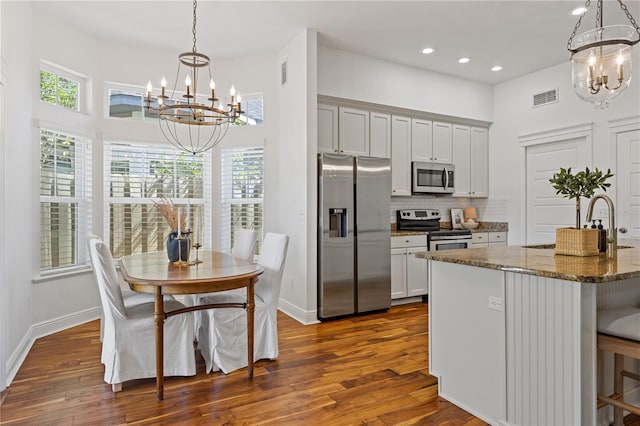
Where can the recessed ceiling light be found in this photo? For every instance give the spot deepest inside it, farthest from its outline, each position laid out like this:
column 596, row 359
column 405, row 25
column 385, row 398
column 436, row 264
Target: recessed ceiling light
column 578, row 11
column 427, row 50
column 496, row 68
column 463, row 60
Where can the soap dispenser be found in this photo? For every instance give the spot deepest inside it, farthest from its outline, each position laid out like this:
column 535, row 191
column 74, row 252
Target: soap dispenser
column 602, row 237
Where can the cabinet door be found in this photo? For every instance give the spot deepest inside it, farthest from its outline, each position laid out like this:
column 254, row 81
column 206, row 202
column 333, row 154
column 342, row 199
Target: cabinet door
column 400, row 155
column 379, row 135
column 421, row 140
column 327, row 128
column 442, row 143
column 462, row 160
column 398, row 273
column 416, row 272
column 479, row 166
column 353, row 131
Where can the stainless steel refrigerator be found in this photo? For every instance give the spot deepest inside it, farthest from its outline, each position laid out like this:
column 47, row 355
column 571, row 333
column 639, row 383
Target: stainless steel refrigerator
column 354, row 235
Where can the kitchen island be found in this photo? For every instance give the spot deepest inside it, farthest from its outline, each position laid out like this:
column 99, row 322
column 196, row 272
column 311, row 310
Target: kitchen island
column 512, row 330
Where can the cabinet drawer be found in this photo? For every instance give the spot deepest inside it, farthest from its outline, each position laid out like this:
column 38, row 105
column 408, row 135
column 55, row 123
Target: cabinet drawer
column 495, row 237
column 479, row 237
column 409, row 241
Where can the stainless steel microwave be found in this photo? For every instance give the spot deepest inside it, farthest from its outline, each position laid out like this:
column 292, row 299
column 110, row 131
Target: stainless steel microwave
column 432, row 178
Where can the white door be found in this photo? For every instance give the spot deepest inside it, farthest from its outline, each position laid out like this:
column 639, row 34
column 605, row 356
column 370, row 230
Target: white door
column 379, row 135
column 353, row 131
column 327, row 128
column 628, row 182
column 545, row 210
column 421, row 140
column 398, row 273
column 416, row 272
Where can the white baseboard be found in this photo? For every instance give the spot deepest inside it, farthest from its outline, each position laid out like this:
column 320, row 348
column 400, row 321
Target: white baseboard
column 300, row 315
column 18, row 356
column 55, row 325
column 42, row 329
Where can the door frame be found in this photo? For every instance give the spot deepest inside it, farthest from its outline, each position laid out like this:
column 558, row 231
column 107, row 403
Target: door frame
column 616, row 127
column 561, row 134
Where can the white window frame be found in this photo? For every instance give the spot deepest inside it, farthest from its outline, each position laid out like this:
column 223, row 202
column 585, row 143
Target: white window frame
column 82, row 80
column 83, row 199
column 187, row 202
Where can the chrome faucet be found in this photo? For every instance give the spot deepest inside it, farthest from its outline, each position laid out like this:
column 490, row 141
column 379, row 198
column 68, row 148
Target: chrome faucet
column 612, row 232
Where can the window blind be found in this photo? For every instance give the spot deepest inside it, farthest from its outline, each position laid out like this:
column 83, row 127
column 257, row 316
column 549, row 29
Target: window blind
column 242, row 193
column 136, row 178
column 65, row 200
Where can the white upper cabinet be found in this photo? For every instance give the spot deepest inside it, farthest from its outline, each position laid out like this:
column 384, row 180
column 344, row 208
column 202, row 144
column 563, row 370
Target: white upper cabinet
column 462, row 160
column 470, row 156
column 327, row 128
column 479, row 162
column 379, row 135
column 353, row 131
column 421, row 140
column 400, row 155
column 442, row 143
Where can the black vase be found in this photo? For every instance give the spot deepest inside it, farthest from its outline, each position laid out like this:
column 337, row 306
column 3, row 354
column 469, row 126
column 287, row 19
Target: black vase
column 174, row 252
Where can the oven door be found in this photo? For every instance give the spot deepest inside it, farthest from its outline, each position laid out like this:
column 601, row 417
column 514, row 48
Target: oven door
column 450, row 244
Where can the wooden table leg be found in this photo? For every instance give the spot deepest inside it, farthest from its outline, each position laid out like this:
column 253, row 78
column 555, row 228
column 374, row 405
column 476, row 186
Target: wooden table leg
column 158, row 317
column 250, row 310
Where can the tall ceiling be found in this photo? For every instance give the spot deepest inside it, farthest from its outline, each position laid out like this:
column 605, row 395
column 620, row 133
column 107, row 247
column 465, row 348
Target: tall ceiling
column 521, row 36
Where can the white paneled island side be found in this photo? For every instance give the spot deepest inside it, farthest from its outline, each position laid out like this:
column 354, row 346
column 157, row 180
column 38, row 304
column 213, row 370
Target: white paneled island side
column 512, row 331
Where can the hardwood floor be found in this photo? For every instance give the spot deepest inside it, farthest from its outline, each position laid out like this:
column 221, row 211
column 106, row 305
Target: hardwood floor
column 367, row 370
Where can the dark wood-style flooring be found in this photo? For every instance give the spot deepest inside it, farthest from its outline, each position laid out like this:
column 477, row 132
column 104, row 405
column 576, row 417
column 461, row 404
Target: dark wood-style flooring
column 366, row 370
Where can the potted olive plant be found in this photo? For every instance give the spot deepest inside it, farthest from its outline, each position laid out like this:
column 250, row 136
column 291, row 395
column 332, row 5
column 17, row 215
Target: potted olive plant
column 581, row 184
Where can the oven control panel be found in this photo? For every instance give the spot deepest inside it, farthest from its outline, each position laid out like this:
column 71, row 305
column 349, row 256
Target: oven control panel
column 424, row 214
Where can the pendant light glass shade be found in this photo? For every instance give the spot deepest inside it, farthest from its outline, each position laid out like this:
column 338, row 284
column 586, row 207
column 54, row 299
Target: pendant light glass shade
column 601, row 63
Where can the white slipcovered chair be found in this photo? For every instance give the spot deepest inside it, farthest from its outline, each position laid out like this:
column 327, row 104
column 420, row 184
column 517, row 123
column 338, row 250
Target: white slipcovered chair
column 223, row 332
column 244, row 247
column 128, row 346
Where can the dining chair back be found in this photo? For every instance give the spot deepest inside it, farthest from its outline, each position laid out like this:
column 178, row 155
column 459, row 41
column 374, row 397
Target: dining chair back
column 272, row 257
column 223, row 332
column 128, row 345
column 244, row 245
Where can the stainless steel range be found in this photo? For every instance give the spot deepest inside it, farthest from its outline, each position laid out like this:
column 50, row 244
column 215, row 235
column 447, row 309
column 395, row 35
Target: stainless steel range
column 428, row 220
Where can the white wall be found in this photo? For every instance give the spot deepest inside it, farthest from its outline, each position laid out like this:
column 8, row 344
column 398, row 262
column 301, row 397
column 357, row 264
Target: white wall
column 514, row 116
column 296, row 175
column 18, row 169
column 351, row 76
column 3, row 178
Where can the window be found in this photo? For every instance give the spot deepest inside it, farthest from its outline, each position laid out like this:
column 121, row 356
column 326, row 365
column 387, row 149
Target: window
column 59, row 90
column 65, row 200
column 242, row 180
column 253, row 111
column 137, row 177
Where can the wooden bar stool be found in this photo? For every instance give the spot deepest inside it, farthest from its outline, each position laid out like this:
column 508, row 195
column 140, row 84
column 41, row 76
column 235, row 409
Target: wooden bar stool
column 619, row 333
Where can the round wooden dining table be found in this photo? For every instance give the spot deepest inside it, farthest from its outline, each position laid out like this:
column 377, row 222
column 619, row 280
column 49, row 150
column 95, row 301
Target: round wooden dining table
column 153, row 273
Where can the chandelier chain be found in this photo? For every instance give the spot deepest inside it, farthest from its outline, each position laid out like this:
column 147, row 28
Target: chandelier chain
column 599, row 14
column 629, row 16
column 575, row 29
column 195, row 4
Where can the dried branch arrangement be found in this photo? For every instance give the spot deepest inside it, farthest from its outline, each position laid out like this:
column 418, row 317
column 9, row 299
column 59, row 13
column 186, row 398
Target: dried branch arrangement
column 170, row 212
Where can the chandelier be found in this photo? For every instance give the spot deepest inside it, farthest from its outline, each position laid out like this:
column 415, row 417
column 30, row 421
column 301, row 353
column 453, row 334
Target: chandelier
column 189, row 122
column 601, row 58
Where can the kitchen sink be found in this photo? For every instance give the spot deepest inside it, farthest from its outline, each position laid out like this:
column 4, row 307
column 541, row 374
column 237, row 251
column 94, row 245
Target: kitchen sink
column 551, row 246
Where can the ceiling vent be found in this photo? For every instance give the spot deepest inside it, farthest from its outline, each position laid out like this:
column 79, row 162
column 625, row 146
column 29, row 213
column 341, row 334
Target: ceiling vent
column 545, row 98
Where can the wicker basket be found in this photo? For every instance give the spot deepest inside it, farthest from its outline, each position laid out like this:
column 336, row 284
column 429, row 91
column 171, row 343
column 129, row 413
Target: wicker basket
column 577, row 242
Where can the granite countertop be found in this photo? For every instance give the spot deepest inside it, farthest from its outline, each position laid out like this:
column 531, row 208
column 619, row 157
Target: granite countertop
column 482, row 227
column 543, row 262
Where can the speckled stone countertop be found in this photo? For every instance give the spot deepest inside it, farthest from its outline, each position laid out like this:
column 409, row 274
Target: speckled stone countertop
column 543, row 262
column 482, row 227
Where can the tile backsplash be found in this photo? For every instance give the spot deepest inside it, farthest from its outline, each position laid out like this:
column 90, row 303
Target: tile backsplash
column 489, row 209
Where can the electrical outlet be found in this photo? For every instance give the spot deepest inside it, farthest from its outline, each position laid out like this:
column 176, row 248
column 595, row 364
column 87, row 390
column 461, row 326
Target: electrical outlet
column 495, row 303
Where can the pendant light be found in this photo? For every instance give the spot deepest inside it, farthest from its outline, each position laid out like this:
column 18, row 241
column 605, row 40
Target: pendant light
column 601, row 58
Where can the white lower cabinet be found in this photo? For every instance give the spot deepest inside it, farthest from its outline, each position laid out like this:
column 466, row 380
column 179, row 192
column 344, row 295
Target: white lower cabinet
column 408, row 273
column 488, row 239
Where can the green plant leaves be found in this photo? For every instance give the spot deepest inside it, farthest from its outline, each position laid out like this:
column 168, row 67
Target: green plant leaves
column 582, row 184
